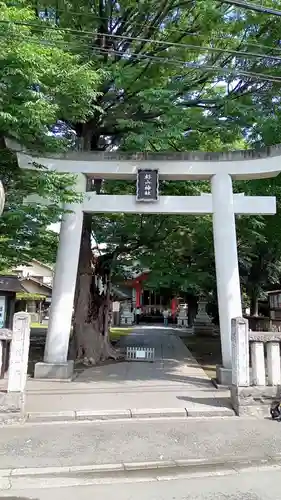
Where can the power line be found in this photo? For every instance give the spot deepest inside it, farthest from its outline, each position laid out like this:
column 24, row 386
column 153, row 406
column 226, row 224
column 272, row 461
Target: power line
column 175, row 62
column 252, row 6
column 124, row 38
column 154, row 28
column 203, row 68
column 236, row 3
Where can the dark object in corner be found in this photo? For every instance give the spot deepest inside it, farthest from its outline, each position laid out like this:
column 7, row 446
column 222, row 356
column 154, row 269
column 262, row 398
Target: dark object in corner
column 275, row 410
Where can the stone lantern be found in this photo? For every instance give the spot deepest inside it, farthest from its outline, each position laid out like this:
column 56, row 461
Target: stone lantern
column 203, row 324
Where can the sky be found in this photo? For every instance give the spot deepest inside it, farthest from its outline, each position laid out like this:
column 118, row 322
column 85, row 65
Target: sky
column 55, row 227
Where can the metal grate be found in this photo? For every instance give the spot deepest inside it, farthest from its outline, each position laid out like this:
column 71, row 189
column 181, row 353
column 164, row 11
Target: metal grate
column 140, row 354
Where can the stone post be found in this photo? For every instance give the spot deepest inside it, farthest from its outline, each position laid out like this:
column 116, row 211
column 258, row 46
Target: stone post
column 12, row 401
column 273, row 363
column 18, row 363
column 240, row 364
column 6, row 336
column 258, row 364
column 115, row 313
column 240, row 352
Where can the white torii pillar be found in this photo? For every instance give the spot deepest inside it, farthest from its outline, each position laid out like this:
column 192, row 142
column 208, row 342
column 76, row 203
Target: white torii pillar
column 56, row 364
column 227, row 270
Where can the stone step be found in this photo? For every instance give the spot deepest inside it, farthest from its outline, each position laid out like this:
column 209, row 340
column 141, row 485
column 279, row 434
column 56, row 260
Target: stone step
column 107, row 415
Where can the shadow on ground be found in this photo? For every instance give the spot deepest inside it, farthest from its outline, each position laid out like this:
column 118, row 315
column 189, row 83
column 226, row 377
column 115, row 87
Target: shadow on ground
column 220, row 402
column 18, row 498
column 174, row 372
column 143, row 372
column 173, row 365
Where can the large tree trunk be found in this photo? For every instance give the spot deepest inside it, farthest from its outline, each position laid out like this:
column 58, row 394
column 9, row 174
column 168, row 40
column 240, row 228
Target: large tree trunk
column 91, row 343
column 92, row 305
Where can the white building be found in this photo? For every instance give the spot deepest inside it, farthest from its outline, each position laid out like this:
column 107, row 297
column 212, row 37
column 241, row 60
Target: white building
column 37, row 280
column 41, row 273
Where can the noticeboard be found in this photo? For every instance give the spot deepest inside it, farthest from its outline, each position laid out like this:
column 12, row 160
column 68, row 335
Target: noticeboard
column 2, row 311
column 147, row 185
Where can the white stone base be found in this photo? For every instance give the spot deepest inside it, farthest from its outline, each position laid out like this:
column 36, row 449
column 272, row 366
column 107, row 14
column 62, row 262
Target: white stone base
column 11, row 402
column 224, row 376
column 182, row 322
column 253, row 401
column 54, row 370
column 126, row 321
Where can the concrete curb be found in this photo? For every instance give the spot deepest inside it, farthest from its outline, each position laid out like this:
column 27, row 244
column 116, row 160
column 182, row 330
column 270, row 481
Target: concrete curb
column 24, row 478
column 98, row 415
column 102, row 415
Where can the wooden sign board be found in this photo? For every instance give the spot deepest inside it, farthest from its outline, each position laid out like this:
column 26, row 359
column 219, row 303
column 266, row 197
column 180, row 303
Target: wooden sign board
column 147, row 185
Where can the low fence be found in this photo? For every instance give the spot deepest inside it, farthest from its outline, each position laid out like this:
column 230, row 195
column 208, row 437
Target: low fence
column 256, row 369
column 14, row 349
column 263, row 324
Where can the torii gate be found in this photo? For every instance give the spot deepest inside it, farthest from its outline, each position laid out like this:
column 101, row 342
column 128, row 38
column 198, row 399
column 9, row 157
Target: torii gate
column 219, row 168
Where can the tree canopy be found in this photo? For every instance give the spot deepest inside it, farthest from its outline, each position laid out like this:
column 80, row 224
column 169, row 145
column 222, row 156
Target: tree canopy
column 140, row 76
column 40, row 84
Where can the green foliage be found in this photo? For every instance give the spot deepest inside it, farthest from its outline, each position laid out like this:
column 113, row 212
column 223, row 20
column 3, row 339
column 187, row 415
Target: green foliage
column 29, row 296
column 139, row 76
column 40, row 84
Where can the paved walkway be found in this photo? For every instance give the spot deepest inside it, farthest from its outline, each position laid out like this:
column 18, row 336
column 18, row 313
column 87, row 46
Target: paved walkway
column 255, row 484
column 173, row 385
column 258, row 483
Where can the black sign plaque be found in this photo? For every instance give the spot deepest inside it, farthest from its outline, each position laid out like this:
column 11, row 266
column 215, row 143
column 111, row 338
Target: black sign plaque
column 147, row 185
